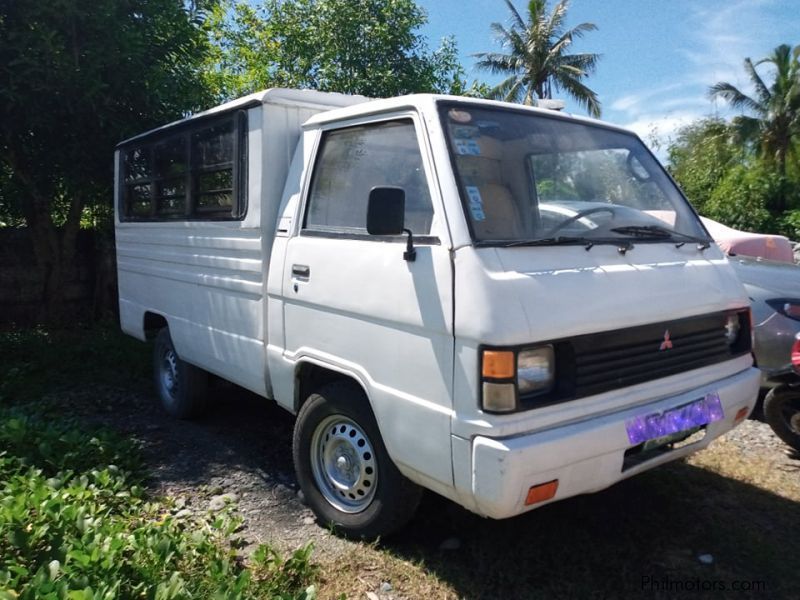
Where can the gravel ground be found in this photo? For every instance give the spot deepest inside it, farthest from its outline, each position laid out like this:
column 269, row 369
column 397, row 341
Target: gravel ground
column 756, row 438
column 240, row 453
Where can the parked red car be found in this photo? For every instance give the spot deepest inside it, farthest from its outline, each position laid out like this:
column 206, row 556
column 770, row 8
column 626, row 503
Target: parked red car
column 759, row 245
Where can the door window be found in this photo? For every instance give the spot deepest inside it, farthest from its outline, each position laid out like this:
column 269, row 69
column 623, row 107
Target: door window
column 352, row 161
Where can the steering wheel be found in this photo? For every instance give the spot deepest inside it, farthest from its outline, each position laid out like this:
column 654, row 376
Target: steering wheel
column 579, row 215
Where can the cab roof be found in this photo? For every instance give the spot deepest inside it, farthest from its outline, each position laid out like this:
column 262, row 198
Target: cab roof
column 423, row 101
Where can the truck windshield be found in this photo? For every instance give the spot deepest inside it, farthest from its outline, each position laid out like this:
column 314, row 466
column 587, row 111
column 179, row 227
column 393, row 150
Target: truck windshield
column 533, row 179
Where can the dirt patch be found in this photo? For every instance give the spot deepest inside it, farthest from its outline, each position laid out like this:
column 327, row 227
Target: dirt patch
column 238, row 454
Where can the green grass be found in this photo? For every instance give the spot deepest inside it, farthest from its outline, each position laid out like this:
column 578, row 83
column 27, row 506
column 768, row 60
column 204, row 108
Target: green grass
column 75, row 521
column 38, row 362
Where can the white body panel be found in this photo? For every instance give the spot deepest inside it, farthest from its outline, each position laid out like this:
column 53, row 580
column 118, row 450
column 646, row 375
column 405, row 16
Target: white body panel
column 410, row 332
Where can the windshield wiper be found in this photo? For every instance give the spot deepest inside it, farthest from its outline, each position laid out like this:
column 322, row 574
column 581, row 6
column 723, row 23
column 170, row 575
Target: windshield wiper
column 658, row 232
column 588, row 243
column 550, row 241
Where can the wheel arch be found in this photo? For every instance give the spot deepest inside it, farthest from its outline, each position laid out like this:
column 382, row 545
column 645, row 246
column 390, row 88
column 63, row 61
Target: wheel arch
column 152, row 323
column 310, row 375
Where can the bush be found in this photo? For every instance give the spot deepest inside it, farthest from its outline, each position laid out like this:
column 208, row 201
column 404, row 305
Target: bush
column 701, row 156
column 790, row 224
column 743, row 197
column 75, row 524
column 35, row 362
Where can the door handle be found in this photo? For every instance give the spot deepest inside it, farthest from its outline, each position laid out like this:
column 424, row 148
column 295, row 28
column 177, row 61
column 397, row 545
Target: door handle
column 301, row 271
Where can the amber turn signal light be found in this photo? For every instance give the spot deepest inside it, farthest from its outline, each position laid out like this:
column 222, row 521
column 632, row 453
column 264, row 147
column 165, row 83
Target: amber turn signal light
column 498, row 364
column 741, row 414
column 541, row 492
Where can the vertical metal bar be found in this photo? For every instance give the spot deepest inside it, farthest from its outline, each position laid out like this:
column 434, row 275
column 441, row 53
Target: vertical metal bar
column 190, row 184
column 153, row 182
column 235, row 201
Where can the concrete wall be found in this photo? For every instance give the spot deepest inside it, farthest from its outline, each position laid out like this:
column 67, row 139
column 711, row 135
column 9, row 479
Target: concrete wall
column 22, row 286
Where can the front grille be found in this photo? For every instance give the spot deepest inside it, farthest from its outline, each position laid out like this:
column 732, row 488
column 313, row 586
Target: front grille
column 617, row 359
column 610, row 360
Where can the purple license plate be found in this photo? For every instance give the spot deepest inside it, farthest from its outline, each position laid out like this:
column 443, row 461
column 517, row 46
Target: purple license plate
column 682, row 418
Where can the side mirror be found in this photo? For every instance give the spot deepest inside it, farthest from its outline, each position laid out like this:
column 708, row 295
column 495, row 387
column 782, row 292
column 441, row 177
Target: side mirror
column 386, row 215
column 386, row 211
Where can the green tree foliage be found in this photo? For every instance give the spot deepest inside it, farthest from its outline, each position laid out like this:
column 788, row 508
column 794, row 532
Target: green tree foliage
column 729, row 182
column 370, row 47
column 700, row 157
column 75, row 79
column 536, row 57
column 743, row 198
column 745, row 172
column 790, row 224
column 774, row 123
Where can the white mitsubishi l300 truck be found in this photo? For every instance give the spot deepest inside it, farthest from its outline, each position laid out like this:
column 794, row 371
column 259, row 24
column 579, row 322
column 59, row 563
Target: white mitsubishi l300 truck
column 503, row 304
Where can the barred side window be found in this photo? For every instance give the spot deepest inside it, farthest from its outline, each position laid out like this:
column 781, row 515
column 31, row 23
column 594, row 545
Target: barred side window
column 198, row 172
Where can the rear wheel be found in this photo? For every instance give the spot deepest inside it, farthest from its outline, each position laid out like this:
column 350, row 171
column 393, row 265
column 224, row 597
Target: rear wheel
column 782, row 413
column 343, row 468
column 181, row 387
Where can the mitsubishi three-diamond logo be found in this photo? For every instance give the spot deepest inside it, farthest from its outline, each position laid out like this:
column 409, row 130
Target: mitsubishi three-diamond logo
column 667, row 343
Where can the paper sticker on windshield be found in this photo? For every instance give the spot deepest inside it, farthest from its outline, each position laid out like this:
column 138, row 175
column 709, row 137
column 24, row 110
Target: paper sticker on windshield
column 459, row 116
column 475, row 203
column 467, row 147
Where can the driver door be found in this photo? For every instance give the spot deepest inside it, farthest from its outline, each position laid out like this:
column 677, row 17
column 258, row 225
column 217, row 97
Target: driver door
column 352, row 302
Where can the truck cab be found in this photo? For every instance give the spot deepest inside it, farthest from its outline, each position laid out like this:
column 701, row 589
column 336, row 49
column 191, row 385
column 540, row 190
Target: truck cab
column 506, row 305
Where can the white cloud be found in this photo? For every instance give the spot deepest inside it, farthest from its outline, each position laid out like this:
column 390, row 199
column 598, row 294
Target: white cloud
column 662, row 127
column 720, row 37
column 636, row 101
column 657, row 130
column 725, row 36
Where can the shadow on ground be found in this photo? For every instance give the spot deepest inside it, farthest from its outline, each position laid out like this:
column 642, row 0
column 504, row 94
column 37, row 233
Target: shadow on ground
column 641, row 538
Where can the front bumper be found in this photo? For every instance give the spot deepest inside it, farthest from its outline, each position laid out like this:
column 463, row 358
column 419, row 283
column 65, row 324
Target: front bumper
column 586, row 456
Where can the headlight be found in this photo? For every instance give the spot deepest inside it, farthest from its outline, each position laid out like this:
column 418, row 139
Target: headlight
column 535, row 370
column 788, row 308
column 508, row 374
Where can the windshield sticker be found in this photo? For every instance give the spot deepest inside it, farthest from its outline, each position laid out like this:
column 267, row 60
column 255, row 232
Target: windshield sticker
column 465, row 132
column 459, row 116
column 475, row 203
column 467, row 147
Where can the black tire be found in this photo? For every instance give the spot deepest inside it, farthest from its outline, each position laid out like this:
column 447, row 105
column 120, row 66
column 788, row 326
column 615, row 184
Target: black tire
column 182, row 388
column 782, row 413
column 341, row 407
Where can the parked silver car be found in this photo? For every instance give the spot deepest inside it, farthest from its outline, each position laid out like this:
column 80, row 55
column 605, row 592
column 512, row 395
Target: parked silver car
column 774, row 290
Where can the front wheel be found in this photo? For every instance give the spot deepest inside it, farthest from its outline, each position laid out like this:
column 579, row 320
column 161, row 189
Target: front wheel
column 782, row 413
column 343, row 468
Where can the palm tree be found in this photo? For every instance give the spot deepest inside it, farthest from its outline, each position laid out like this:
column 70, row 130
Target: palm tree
column 774, row 126
column 537, row 59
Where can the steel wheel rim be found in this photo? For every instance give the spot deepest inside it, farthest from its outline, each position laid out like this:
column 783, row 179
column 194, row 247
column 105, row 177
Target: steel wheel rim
column 791, row 416
column 343, row 463
column 169, row 373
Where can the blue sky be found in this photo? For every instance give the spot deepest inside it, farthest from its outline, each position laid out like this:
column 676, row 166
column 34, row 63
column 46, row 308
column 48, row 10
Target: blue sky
column 659, row 56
